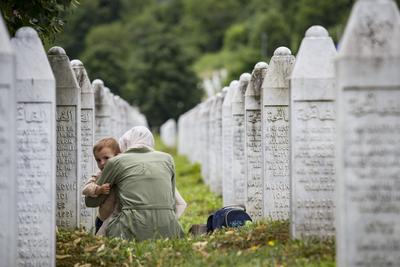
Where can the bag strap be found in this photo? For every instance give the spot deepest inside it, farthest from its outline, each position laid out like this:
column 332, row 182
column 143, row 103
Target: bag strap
column 243, row 207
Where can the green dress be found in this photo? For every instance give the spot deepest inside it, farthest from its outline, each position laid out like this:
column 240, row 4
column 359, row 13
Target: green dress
column 145, row 188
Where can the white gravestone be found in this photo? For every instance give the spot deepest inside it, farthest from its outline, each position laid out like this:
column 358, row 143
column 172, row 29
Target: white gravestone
column 168, row 133
column 368, row 170
column 212, row 144
column 238, row 145
column 118, row 116
column 189, row 134
column 204, row 145
column 181, row 134
column 227, row 143
column 113, row 113
column 102, row 111
column 275, row 134
column 68, row 119
column 217, row 182
column 87, row 215
column 8, row 183
column 197, row 134
column 253, row 152
column 36, row 151
column 313, row 136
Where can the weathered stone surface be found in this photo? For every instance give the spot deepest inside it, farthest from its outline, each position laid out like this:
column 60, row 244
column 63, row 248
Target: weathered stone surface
column 313, row 136
column 227, row 145
column 68, row 139
column 275, row 134
column 204, row 140
column 87, row 215
column 217, row 179
column 368, row 80
column 253, row 150
column 8, row 181
column 168, row 133
column 238, row 141
column 102, row 111
column 36, row 151
column 114, row 116
column 212, row 154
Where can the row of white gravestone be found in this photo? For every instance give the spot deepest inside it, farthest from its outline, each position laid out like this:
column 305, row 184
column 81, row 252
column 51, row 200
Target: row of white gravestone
column 168, row 133
column 48, row 125
column 317, row 140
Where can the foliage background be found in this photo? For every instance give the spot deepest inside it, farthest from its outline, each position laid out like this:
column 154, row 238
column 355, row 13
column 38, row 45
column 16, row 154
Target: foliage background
column 154, row 52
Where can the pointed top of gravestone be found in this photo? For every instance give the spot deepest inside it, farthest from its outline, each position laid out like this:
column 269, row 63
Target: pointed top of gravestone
column 233, row 84
column 261, row 65
column 244, row 77
column 282, row 51
column 56, row 50
column 238, row 96
column 26, row 32
column 316, row 31
column 373, row 30
column 224, row 91
column 65, row 77
column 257, row 77
column 31, row 59
column 5, row 45
column 229, row 94
column 82, row 77
column 276, row 82
column 315, row 58
column 98, row 83
column 76, row 63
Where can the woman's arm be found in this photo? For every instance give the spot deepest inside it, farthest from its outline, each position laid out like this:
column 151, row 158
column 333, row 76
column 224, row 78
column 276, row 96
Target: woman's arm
column 109, row 175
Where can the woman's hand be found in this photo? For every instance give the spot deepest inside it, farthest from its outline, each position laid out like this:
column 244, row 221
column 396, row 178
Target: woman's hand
column 104, row 189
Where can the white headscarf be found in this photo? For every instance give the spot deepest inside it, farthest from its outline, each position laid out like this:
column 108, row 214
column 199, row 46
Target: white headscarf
column 137, row 137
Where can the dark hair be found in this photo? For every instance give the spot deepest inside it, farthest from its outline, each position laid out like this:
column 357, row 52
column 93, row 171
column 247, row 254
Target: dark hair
column 106, row 142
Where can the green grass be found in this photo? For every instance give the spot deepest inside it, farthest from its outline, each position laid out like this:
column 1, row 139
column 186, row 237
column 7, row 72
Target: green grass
column 257, row 244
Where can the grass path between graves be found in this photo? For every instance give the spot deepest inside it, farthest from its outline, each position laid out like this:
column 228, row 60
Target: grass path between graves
column 257, row 244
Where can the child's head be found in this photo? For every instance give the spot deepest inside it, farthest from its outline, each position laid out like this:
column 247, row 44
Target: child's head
column 105, row 149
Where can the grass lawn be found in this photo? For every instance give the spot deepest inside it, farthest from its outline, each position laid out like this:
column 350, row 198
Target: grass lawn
column 258, row 244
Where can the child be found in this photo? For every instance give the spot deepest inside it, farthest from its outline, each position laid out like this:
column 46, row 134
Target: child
column 103, row 150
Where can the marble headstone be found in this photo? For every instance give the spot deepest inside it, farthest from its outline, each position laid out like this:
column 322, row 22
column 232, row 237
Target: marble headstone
column 212, row 156
column 275, row 134
column 8, row 183
column 368, row 170
column 36, row 151
column 217, row 179
column 253, row 152
column 87, row 138
column 238, row 146
column 113, row 113
column 168, row 133
column 227, row 145
column 102, row 111
column 68, row 119
column 313, row 136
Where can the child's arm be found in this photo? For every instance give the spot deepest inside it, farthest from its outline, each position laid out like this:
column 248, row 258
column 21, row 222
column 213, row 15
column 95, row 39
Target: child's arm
column 92, row 189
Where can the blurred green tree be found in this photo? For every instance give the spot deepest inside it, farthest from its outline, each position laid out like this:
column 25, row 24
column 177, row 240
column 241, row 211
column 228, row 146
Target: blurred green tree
column 106, row 54
column 160, row 81
column 46, row 17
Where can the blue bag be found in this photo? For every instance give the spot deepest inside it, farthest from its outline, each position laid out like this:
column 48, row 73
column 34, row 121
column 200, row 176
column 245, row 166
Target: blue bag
column 229, row 216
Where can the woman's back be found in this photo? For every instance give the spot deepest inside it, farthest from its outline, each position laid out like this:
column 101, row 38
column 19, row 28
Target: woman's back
column 145, row 182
